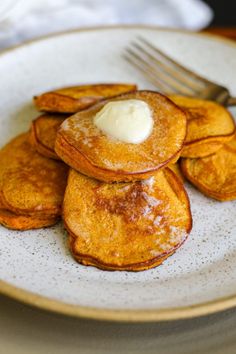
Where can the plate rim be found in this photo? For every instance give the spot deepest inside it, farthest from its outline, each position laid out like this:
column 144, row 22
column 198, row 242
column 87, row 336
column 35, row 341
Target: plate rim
column 127, row 315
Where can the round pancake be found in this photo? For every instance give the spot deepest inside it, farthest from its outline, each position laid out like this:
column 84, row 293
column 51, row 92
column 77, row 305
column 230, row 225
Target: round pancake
column 30, row 184
column 73, row 99
column 214, row 175
column 88, row 150
column 209, row 126
column 126, row 226
column 43, row 133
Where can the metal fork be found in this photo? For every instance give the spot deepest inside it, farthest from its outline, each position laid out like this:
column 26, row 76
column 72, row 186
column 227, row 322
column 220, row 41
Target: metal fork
column 171, row 77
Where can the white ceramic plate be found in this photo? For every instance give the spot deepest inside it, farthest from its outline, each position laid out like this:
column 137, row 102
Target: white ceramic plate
column 36, row 266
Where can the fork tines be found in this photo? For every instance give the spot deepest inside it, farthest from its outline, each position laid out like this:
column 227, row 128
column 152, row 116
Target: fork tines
column 164, row 72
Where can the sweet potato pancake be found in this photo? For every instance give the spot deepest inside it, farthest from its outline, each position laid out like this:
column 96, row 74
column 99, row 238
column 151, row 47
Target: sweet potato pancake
column 126, row 226
column 214, row 175
column 73, row 99
column 88, row 150
column 43, row 133
column 31, row 186
column 209, row 126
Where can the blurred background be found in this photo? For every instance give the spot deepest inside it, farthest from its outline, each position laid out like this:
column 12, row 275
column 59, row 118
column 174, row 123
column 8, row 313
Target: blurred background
column 224, row 12
column 21, row 20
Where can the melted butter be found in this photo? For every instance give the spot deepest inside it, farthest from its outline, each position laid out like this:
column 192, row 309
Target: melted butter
column 129, row 121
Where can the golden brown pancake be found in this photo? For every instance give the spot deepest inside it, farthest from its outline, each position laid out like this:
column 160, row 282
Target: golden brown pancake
column 214, row 175
column 31, row 185
column 73, row 99
column 88, row 150
column 126, row 226
column 176, row 169
column 23, row 222
column 209, row 126
column 43, row 133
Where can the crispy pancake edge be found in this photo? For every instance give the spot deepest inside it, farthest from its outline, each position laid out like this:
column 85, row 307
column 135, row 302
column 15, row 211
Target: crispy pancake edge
column 13, row 221
column 71, row 156
column 54, row 101
column 55, row 212
column 39, row 146
column 206, row 146
column 89, row 261
column 222, row 197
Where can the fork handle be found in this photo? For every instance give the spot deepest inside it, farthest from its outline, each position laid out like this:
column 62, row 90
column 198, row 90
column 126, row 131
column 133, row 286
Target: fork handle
column 231, row 101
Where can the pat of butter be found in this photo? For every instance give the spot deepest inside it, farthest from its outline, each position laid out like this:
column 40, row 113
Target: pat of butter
column 128, row 120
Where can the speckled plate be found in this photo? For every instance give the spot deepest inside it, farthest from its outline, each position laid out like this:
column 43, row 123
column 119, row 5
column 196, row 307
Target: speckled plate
column 37, row 268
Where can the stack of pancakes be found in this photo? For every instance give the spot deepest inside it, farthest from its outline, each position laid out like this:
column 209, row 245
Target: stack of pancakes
column 124, row 205
column 209, row 154
column 31, row 186
column 32, row 177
